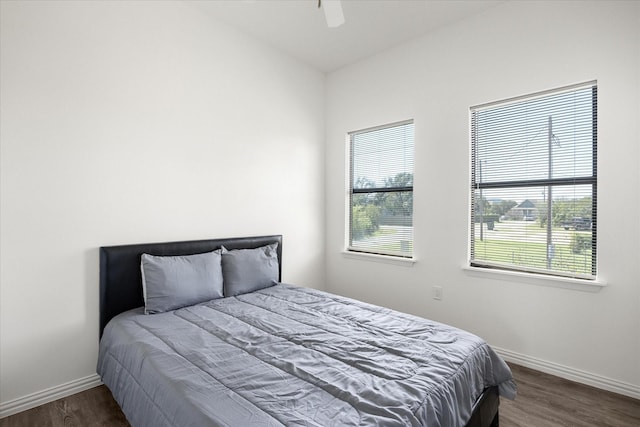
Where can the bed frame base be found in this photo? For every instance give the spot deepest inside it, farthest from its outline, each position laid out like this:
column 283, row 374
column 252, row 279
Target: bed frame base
column 485, row 411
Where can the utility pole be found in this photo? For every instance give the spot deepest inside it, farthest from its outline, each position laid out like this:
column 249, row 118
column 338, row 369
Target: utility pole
column 549, row 198
column 481, row 203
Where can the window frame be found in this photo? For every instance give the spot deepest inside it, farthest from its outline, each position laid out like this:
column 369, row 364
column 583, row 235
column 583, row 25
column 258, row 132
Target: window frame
column 551, row 183
column 351, row 250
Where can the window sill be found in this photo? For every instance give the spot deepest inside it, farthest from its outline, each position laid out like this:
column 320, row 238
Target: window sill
column 537, row 279
column 388, row 259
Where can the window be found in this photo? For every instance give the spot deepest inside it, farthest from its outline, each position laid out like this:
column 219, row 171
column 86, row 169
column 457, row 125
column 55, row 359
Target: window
column 381, row 190
column 534, row 183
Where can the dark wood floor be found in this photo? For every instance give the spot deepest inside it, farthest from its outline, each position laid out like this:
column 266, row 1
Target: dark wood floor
column 547, row 401
column 543, row 401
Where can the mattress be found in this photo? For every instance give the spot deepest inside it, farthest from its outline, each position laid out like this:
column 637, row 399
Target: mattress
column 294, row 356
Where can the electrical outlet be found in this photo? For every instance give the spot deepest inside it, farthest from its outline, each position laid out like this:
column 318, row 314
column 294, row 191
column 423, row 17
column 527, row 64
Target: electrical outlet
column 437, row 292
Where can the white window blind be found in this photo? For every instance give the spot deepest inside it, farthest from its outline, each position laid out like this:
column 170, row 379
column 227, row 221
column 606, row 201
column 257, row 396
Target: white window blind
column 381, row 190
column 534, row 183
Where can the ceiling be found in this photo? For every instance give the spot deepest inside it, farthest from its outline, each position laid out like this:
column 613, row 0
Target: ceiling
column 298, row 27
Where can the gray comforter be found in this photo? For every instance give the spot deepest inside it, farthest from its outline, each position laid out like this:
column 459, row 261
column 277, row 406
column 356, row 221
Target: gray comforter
column 296, row 357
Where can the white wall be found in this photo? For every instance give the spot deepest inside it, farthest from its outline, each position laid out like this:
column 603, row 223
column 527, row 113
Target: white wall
column 128, row 122
column 514, row 49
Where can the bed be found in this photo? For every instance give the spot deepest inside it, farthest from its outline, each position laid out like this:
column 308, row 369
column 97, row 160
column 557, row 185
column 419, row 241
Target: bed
column 271, row 354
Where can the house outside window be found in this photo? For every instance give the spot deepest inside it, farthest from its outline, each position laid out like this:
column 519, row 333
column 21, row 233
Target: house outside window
column 534, row 183
column 381, row 190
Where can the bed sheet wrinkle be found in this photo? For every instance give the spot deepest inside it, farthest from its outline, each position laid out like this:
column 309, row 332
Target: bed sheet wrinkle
column 352, row 351
column 501, row 377
column 188, row 387
column 408, row 385
column 264, row 349
column 415, row 351
column 377, row 321
column 316, row 370
column 136, row 400
column 379, row 318
column 125, row 383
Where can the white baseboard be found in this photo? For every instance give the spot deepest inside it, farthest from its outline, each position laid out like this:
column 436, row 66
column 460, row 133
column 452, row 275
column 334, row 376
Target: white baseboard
column 48, row 395
column 568, row 373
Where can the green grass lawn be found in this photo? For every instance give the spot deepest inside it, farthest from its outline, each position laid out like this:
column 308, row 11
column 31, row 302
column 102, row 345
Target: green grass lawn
column 532, row 254
column 388, row 239
column 519, row 244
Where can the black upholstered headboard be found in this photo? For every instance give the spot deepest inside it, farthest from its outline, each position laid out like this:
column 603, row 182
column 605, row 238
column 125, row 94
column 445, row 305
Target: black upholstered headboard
column 121, row 279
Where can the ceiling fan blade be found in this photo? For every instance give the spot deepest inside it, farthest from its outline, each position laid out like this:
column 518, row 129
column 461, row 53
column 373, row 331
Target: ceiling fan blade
column 333, row 13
